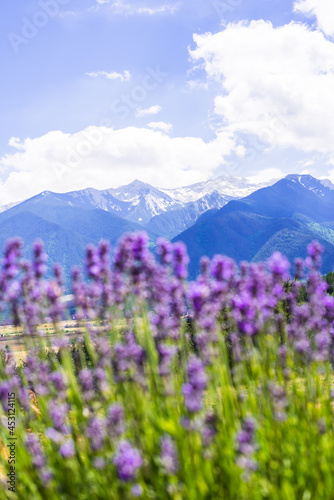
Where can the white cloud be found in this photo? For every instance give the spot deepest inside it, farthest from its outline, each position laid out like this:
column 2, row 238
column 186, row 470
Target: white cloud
column 153, row 110
column 120, row 7
column 323, row 10
column 197, row 84
column 113, row 75
column 277, row 83
column 266, row 175
column 102, row 157
column 330, row 176
column 163, row 126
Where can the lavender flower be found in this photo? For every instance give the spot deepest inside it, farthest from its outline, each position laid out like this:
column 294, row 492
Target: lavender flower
column 115, row 419
column 197, row 380
column 38, row 458
column 127, row 461
column 166, row 354
column 136, row 490
column 279, row 266
column 95, row 432
column 58, row 379
column 222, row 268
column 210, row 428
column 58, row 413
column 246, row 446
column 67, row 449
column 180, row 260
column 168, row 456
column 54, row 435
column 99, row 463
column 165, row 251
column 87, row 383
column 39, row 259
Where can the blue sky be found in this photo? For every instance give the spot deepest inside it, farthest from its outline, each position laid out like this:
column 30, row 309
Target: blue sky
column 98, row 92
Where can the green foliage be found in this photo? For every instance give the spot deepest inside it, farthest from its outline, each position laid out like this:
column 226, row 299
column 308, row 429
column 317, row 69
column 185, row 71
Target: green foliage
column 329, row 278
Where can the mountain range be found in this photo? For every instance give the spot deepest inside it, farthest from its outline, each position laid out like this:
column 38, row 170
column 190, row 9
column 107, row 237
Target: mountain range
column 227, row 215
column 283, row 217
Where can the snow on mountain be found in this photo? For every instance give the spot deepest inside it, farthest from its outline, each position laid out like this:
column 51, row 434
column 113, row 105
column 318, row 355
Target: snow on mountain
column 140, row 202
column 318, row 186
column 145, row 200
column 233, row 187
column 3, row 208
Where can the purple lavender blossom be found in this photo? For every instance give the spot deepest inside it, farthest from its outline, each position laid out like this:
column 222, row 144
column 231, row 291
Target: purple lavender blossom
column 92, row 262
column 136, row 490
column 246, row 446
column 39, row 259
column 67, row 449
column 129, row 358
column 315, row 251
column 168, row 456
column 210, row 428
column 10, row 262
column 280, row 402
column 279, row 266
column 180, row 260
column 58, row 274
column 222, row 268
column 38, row 458
column 205, row 266
column 58, row 413
column 99, row 463
column 166, row 354
column 96, row 432
column 4, row 390
column 199, row 294
column 115, row 419
column 299, row 268
column 54, row 435
column 58, row 380
column 197, row 381
column 127, row 461
column 165, row 251
column 87, row 383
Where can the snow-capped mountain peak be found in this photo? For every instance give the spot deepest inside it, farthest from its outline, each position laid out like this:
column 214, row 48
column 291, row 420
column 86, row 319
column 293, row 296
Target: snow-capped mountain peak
column 318, row 186
column 233, row 187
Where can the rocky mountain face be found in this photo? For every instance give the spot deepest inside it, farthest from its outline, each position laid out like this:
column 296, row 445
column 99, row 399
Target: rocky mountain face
column 161, row 211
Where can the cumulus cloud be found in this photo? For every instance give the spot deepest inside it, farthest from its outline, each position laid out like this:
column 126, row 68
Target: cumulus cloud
column 113, row 75
column 163, row 126
column 322, row 10
column 102, row 157
column 153, row 110
column 276, row 83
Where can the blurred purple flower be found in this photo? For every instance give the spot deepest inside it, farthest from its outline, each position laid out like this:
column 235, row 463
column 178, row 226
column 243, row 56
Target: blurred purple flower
column 168, row 455
column 127, row 461
column 197, row 381
column 67, row 450
column 115, row 419
column 96, row 432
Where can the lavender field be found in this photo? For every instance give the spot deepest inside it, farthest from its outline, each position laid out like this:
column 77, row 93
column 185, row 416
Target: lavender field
column 220, row 388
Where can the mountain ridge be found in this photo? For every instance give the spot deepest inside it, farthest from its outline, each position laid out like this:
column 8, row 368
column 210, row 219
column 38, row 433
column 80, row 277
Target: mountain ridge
column 242, row 228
